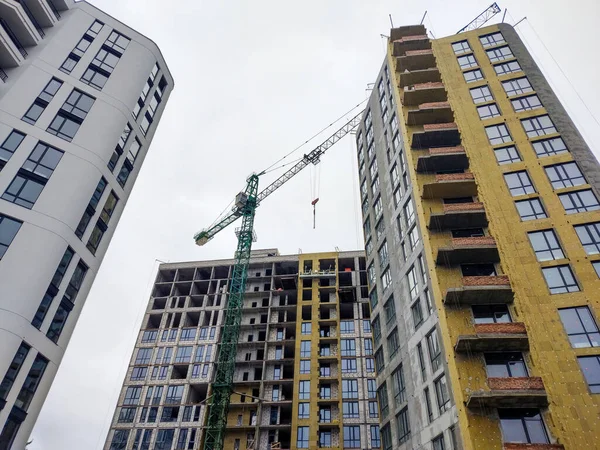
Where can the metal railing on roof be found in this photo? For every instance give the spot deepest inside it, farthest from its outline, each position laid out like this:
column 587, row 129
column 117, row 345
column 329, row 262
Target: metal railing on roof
column 31, row 17
column 13, row 37
column 3, row 75
column 54, row 9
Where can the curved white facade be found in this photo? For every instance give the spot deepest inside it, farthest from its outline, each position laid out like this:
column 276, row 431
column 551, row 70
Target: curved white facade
column 29, row 261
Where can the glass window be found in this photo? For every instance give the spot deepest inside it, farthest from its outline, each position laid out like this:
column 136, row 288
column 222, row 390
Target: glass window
column 351, row 436
column 413, row 283
column 590, row 366
column 305, row 366
column 393, row 343
column 504, row 365
column 481, row 94
column 379, row 360
column 13, row 370
column 545, row 245
column 435, row 352
column 350, row 410
column 507, row 67
column 491, row 314
column 349, row 389
column 119, row 440
column 302, row 437
column 409, row 212
column 349, row 365
column 375, row 436
column 373, row 410
column 438, row 443
column 304, row 390
column 306, row 327
column 8, row 230
column 473, row 75
column 498, row 134
column 386, row 437
column 382, row 395
column 117, row 42
column 589, row 236
column 526, row 103
column 564, row 175
column 40, row 103
column 303, row 410
column 490, row 40
column 500, row 54
column 10, row 145
column 560, row 279
column 467, row 61
column 488, row 111
column 519, row 183
column 517, row 86
column 580, row 326
column 522, row 426
column 442, row 395
column 531, row 209
column 376, row 330
column 305, row 349
column 549, row 147
column 31, row 382
column 538, row 126
column 399, row 385
column 507, row 155
column 428, row 406
column 390, row 311
column 417, row 314
column 579, row 201
column 461, row 47
column 403, row 425
column 95, row 77
column 348, row 347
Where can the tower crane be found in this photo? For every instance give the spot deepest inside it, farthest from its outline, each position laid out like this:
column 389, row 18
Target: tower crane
column 244, row 207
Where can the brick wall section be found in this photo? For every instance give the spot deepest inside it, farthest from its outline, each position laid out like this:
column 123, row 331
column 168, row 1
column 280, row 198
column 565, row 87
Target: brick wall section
column 418, row 37
column 429, row 85
column 501, row 280
column 434, row 105
column 533, row 447
column 473, row 241
column 516, row 383
column 419, row 52
column 456, row 207
column 443, row 150
column 454, row 177
column 439, row 126
column 505, row 328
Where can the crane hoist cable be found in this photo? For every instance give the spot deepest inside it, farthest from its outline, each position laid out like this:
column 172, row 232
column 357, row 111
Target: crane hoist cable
column 244, row 207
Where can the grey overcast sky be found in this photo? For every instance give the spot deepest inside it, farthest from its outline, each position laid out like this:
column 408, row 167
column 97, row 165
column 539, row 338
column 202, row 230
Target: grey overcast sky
column 254, row 79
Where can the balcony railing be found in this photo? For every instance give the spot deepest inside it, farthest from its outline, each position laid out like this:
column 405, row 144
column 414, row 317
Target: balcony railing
column 13, row 37
column 53, row 8
column 3, row 75
column 34, row 21
column 469, row 250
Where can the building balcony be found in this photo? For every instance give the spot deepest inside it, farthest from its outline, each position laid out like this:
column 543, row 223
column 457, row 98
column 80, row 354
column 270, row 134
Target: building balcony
column 416, row 77
column 436, row 135
column 517, row 392
column 319, row 274
column 40, row 12
column 423, row 93
column 415, row 60
column 469, row 250
column 12, row 52
column 430, row 113
column 517, row 446
column 451, row 185
column 409, row 43
column 325, row 400
column 481, row 291
column 19, row 18
column 494, row 337
column 60, row 5
column 445, row 158
column 407, row 30
column 459, row 215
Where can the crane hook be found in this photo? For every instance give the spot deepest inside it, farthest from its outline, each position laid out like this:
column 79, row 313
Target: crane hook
column 314, row 203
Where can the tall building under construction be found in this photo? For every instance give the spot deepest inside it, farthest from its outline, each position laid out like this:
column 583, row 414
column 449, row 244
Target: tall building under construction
column 305, row 373
column 468, row 323
column 482, row 236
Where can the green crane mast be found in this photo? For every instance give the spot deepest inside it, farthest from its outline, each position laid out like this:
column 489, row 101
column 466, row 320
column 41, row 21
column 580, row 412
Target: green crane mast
column 245, row 206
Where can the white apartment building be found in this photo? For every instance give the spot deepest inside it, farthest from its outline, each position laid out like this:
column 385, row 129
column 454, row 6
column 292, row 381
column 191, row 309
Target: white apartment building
column 81, row 95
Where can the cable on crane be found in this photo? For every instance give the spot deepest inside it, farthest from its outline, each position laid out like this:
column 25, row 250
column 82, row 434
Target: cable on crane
column 313, row 136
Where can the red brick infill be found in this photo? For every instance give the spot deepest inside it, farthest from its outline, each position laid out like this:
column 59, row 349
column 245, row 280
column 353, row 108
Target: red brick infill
column 418, row 37
column 439, row 126
column 428, row 85
column 473, row 241
column 434, row 105
column 454, row 177
column 453, row 207
column 442, row 150
column 505, row 328
column 534, row 447
column 516, row 383
column 501, row 280
column 419, row 52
